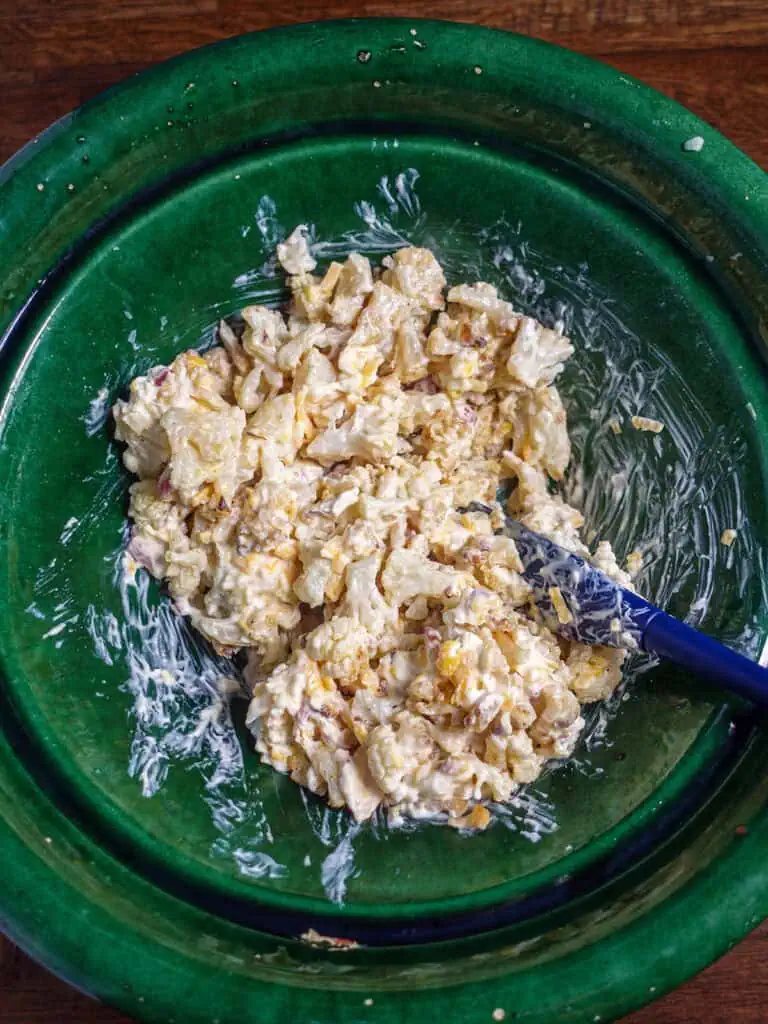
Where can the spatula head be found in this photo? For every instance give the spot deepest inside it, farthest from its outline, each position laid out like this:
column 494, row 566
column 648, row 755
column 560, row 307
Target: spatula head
column 575, row 599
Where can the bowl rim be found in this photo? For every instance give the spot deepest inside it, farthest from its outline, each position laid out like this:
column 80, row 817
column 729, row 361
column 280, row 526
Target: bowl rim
column 739, row 186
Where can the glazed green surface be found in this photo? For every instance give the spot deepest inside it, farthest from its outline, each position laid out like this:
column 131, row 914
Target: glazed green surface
column 601, row 182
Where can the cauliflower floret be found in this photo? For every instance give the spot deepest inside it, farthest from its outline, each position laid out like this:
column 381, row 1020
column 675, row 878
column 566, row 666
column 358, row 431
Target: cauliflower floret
column 534, row 657
column 485, row 299
column 185, row 566
column 411, row 361
column 249, row 602
column 205, row 449
column 408, row 574
column 545, row 513
column 354, row 285
column 538, row 354
column 358, row 787
column 540, row 435
column 595, row 671
column 397, row 752
column 276, row 422
column 294, row 254
column 384, row 311
column 264, row 333
column 154, row 513
column 188, row 383
column 371, row 433
column 416, row 274
column 470, row 779
column 311, row 586
column 316, row 378
column 605, row 560
column 285, row 689
column 343, row 646
column 477, row 607
column 364, row 601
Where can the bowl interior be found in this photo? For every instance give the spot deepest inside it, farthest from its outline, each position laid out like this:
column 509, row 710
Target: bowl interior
column 115, row 693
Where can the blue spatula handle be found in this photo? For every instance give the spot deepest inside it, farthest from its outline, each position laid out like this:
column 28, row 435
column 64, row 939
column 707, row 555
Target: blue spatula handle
column 662, row 634
column 603, row 612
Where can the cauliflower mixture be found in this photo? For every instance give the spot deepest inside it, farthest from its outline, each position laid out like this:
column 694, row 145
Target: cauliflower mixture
column 300, row 489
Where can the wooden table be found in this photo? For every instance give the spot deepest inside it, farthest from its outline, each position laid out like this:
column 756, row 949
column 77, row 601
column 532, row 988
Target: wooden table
column 711, row 55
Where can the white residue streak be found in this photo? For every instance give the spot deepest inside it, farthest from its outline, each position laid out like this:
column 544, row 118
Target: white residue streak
column 381, row 232
column 257, row 864
column 178, row 709
column 339, row 866
column 98, row 413
column 530, row 813
column 263, row 284
column 181, row 694
column 55, row 630
column 68, row 530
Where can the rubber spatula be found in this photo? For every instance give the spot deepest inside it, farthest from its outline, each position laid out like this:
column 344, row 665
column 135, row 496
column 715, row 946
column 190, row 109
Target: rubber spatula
column 579, row 602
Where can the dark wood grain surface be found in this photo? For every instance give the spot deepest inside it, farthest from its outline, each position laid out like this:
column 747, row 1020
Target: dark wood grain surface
column 711, row 55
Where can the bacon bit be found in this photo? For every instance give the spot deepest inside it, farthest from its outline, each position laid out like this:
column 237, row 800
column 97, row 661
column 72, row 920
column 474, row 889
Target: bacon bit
column 432, row 638
column 224, row 650
column 741, row 830
column 164, row 486
column 466, row 415
column 148, row 553
column 427, row 386
column 161, row 377
column 476, row 550
column 302, row 716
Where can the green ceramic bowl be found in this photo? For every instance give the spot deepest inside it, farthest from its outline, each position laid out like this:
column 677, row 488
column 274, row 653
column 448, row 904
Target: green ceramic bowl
column 148, row 857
